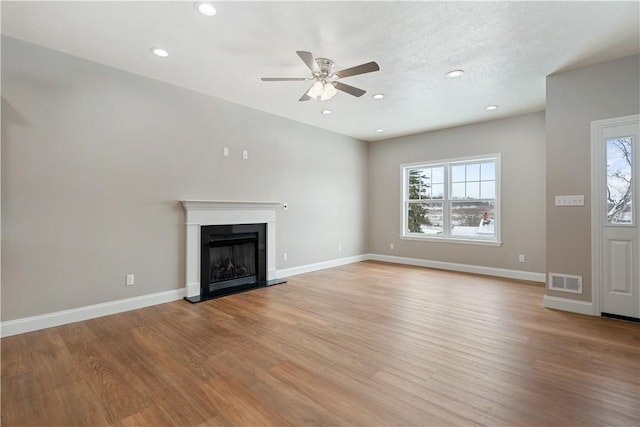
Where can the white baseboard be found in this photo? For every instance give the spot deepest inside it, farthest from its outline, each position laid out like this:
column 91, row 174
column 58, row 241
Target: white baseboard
column 565, row 304
column 34, row 323
column 320, row 266
column 29, row 324
column 466, row 268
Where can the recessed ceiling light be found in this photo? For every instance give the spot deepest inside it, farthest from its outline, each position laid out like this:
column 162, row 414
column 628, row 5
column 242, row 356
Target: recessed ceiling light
column 455, row 73
column 206, row 8
column 379, row 130
column 377, row 95
column 492, row 107
column 159, row 52
column 326, row 112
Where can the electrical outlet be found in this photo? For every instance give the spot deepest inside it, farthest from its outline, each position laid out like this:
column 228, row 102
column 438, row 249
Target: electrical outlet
column 225, row 151
column 284, row 256
column 245, row 154
column 131, row 279
column 391, row 246
column 339, row 248
column 521, row 258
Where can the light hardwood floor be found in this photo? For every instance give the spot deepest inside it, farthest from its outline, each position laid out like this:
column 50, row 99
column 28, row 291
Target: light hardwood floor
column 364, row 344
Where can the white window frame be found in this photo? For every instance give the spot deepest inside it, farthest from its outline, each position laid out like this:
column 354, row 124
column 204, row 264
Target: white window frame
column 445, row 237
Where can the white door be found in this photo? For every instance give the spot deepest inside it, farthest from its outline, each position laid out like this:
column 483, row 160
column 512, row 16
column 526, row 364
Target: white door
column 615, row 156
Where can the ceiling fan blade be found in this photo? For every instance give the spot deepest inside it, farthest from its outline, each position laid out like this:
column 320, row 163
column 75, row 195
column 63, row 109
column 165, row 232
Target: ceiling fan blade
column 284, row 79
column 351, row 90
column 307, row 57
column 358, row 69
column 305, row 97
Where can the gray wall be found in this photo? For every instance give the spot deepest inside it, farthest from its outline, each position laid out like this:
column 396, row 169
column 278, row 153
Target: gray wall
column 574, row 99
column 520, row 140
column 95, row 160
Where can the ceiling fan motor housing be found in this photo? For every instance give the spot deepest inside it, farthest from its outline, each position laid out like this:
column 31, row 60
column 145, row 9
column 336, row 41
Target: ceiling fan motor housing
column 325, row 66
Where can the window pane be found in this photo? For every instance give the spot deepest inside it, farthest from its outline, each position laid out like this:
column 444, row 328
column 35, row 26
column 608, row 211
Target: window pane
column 414, row 192
column 488, row 190
column 437, row 191
column 467, row 219
column 426, row 180
column 473, row 190
column 427, row 192
column 488, row 171
column 424, row 218
column 458, row 191
column 473, row 172
column 417, row 184
column 619, row 191
column 425, row 175
column 457, row 173
column 437, row 175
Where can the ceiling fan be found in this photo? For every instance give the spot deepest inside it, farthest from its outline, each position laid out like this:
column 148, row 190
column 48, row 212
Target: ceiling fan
column 326, row 82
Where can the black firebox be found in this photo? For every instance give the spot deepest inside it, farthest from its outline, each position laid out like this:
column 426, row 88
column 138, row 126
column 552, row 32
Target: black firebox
column 233, row 258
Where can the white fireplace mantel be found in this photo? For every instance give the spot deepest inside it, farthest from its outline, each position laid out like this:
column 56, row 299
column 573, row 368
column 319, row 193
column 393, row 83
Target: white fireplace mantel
column 224, row 212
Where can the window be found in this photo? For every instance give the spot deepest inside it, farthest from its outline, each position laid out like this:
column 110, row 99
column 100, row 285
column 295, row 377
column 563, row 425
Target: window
column 452, row 200
column 619, row 179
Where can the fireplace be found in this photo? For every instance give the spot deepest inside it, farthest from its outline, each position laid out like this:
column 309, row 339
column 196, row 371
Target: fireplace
column 232, row 258
column 230, row 247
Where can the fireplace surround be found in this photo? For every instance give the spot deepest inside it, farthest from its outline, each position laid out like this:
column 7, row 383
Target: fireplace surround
column 217, row 231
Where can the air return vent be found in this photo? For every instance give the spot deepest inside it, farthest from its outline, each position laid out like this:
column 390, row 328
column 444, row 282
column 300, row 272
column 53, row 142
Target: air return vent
column 565, row 283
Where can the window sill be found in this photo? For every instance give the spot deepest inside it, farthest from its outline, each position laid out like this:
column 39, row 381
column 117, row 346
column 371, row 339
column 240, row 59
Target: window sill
column 455, row 240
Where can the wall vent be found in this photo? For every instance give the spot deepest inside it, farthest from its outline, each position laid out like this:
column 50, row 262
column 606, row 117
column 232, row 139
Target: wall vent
column 565, row 283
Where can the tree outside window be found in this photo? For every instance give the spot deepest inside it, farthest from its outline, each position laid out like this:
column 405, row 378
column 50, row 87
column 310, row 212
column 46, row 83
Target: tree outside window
column 417, row 217
column 425, row 205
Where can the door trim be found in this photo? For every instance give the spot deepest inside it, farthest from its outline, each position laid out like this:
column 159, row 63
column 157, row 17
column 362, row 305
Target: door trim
column 598, row 157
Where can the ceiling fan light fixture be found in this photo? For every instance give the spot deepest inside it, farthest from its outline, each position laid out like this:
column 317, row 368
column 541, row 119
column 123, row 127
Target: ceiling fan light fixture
column 377, row 95
column 316, row 90
column 325, row 112
column 379, row 130
column 322, row 91
column 328, row 92
column 455, row 73
column 491, row 107
column 206, row 8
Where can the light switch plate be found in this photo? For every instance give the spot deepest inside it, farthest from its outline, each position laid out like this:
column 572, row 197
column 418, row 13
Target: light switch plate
column 575, row 200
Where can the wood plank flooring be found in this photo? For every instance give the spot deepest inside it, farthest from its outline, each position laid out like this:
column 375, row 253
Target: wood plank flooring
column 366, row 344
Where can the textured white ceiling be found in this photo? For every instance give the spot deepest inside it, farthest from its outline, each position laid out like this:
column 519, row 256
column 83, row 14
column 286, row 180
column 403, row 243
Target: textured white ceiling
column 505, row 48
